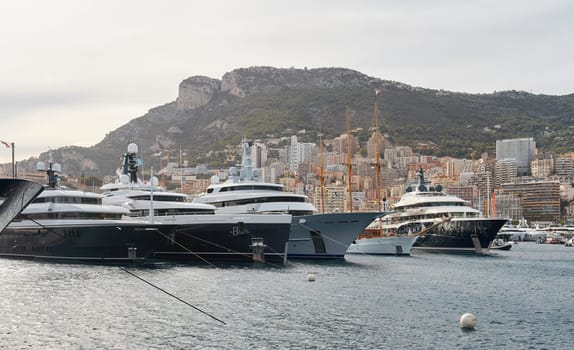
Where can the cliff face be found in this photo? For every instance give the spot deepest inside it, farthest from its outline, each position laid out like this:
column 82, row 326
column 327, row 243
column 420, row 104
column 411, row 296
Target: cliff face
column 196, row 92
column 247, row 81
column 260, row 102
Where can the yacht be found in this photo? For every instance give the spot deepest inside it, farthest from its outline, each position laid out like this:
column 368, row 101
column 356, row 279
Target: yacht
column 557, row 234
column 201, row 234
column 381, row 238
column 448, row 222
column 385, row 236
column 67, row 225
column 312, row 235
column 521, row 232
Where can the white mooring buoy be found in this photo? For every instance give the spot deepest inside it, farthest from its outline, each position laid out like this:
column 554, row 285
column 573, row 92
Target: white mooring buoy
column 311, row 277
column 468, row 321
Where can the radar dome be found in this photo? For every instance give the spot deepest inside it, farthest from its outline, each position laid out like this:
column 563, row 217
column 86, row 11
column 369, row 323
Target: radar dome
column 215, row 179
column 57, row 167
column 132, row 148
column 154, row 181
column 41, row 166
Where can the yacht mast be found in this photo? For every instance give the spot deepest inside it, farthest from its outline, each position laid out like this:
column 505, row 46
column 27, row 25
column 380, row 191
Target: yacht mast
column 321, row 175
column 181, row 169
column 349, row 165
column 377, row 155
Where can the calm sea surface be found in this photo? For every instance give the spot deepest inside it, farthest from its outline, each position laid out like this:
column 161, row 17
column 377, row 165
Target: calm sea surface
column 523, row 299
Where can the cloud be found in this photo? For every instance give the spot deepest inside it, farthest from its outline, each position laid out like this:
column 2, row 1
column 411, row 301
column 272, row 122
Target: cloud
column 49, row 127
column 113, row 60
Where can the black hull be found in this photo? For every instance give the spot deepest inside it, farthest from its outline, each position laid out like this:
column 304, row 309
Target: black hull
column 460, row 236
column 223, row 242
column 124, row 242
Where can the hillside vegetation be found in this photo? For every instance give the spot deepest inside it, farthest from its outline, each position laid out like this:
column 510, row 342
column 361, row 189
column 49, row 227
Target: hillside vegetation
column 265, row 102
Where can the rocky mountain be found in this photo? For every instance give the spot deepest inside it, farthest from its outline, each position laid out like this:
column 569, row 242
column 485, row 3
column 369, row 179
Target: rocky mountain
column 265, row 102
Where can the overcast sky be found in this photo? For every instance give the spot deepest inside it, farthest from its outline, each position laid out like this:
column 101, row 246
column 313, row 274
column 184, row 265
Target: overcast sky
column 73, row 70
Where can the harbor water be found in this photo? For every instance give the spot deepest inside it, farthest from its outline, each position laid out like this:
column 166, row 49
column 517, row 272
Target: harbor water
column 522, row 298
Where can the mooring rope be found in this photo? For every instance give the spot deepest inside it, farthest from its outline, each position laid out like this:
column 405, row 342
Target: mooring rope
column 184, row 247
column 171, row 295
column 223, row 247
column 43, row 226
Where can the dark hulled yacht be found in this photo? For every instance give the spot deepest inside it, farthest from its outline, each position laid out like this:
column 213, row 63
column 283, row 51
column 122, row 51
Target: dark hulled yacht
column 448, row 222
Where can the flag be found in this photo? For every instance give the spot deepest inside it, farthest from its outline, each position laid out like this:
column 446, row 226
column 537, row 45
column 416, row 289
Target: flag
column 377, row 91
column 5, row 144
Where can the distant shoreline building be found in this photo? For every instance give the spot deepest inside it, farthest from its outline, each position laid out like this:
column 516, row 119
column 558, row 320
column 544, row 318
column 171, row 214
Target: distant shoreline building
column 540, row 200
column 522, row 151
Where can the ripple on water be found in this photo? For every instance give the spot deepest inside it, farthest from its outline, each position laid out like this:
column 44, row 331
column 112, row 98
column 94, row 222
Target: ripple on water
column 520, row 298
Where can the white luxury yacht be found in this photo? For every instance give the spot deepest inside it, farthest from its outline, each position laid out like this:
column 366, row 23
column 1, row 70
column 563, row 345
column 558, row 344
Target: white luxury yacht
column 201, row 233
column 312, row 235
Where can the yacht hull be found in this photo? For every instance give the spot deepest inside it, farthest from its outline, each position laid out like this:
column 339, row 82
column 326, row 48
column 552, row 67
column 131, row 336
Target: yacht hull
column 211, row 242
column 96, row 242
column 395, row 245
column 460, row 236
column 326, row 236
column 114, row 242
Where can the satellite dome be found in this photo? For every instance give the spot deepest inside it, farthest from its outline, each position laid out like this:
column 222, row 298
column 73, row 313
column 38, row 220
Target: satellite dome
column 41, row 166
column 215, row 179
column 154, row 181
column 57, row 167
column 132, row 148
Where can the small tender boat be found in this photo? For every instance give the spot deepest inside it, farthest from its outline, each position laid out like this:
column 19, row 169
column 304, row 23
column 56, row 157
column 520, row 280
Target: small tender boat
column 499, row 244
